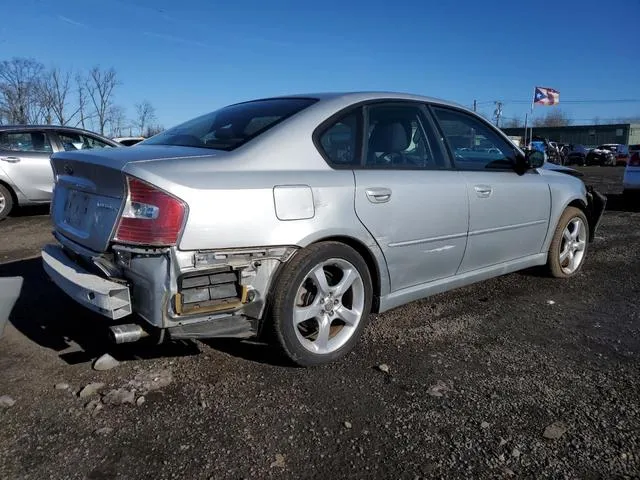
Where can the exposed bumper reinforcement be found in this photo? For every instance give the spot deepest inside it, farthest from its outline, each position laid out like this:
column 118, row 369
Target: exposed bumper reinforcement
column 229, row 326
column 108, row 298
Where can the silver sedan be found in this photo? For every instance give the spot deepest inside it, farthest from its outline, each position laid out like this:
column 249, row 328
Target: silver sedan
column 293, row 218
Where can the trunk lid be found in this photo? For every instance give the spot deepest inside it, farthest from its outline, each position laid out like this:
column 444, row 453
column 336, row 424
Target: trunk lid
column 90, row 189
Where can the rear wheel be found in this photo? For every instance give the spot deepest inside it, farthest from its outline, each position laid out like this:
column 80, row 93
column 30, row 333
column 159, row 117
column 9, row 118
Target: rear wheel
column 6, row 202
column 569, row 244
column 321, row 303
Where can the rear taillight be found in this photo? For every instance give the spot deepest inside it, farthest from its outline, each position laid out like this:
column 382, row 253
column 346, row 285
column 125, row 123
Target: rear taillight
column 634, row 161
column 150, row 216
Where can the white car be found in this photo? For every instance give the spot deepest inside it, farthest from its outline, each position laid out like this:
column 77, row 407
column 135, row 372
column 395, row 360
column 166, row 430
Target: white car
column 128, row 141
column 631, row 179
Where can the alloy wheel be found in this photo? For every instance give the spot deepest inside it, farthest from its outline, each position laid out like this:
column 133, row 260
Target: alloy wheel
column 329, row 306
column 574, row 242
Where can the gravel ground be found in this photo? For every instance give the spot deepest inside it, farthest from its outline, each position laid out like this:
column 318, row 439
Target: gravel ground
column 522, row 376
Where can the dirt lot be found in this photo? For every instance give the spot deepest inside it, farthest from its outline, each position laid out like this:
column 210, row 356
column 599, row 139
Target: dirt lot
column 476, row 377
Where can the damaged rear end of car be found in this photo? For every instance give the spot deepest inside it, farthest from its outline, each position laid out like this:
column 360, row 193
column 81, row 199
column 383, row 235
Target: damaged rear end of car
column 118, row 253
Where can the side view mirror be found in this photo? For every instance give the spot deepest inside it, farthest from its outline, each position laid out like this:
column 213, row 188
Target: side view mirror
column 535, row 158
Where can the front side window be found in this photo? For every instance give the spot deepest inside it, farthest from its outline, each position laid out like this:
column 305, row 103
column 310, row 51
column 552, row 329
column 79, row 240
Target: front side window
column 232, row 126
column 339, row 141
column 34, row 142
column 76, row 141
column 397, row 138
column 475, row 145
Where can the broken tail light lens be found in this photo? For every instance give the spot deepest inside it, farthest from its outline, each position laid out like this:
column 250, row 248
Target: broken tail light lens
column 150, row 216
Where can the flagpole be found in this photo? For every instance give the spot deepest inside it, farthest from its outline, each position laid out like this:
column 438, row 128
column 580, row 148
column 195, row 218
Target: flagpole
column 533, row 99
column 524, row 143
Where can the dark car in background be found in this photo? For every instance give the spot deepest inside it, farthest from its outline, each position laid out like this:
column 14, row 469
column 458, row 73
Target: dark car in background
column 576, row 155
column 26, row 177
column 602, row 156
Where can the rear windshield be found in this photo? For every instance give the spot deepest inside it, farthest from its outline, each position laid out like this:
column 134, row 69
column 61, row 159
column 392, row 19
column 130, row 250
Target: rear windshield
column 231, row 126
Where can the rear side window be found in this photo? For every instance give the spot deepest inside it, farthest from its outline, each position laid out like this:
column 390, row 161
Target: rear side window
column 34, row 142
column 339, row 141
column 232, row 126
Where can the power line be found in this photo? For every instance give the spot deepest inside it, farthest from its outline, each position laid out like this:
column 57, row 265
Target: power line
column 569, row 102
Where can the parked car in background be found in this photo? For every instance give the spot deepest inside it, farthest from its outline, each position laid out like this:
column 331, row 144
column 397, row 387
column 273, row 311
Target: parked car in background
column 293, row 218
column 26, row 177
column 620, row 151
column 577, row 155
column 601, row 156
column 128, row 141
column 631, row 179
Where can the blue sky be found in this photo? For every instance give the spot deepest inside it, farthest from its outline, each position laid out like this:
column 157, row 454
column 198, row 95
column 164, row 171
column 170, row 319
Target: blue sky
column 193, row 56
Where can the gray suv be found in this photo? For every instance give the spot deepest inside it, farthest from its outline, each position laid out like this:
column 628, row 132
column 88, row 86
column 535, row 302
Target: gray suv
column 26, row 177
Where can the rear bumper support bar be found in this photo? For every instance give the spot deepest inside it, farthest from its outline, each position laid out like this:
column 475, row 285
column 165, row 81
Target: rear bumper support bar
column 108, row 298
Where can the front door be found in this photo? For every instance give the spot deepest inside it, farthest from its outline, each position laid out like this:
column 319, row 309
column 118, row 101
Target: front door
column 24, row 157
column 508, row 213
column 409, row 198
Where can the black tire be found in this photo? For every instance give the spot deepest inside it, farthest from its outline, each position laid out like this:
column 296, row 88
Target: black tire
column 286, row 294
column 6, row 202
column 554, row 265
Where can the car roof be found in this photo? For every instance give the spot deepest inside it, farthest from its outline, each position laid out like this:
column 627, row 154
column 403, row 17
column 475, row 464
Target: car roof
column 48, row 127
column 363, row 96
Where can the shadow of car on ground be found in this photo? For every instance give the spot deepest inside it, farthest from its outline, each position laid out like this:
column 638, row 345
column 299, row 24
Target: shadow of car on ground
column 48, row 317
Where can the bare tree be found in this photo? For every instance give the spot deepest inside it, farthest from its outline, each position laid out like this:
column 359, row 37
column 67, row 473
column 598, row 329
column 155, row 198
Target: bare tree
column 145, row 115
column 117, row 119
column 54, row 92
column 100, row 85
column 514, row 122
column 153, row 130
column 555, row 118
column 19, row 87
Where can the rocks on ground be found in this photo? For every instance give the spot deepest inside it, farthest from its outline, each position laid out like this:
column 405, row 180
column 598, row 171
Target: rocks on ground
column 6, row 401
column 119, row 396
column 90, row 389
column 555, row 430
column 439, row 389
column 105, row 362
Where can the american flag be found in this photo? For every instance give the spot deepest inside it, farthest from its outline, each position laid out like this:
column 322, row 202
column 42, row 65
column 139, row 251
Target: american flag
column 546, row 96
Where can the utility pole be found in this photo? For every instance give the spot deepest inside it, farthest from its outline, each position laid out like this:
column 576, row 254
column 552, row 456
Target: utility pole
column 498, row 113
column 475, row 105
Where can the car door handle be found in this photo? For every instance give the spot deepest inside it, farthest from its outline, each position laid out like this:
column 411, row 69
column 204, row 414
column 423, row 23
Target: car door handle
column 10, row 159
column 483, row 191
column 378, row 195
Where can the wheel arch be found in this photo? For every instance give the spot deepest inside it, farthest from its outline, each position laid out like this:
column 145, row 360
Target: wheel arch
column 375, row 269
column 12, row 192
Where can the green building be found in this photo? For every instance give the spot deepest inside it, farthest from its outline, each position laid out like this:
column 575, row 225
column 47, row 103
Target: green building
column 588, row 135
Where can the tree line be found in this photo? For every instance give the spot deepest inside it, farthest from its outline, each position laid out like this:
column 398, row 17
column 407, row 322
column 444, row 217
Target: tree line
column 557, row 118
column 32, row 94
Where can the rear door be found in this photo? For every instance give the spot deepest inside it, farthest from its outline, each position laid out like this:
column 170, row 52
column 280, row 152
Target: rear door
column 24, row 157
column 407, row 196
column 508, row 213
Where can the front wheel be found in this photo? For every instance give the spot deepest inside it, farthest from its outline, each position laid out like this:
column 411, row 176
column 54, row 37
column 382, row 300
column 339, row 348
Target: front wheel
column 6, row 202
column 321, row 303
column 569, row 244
